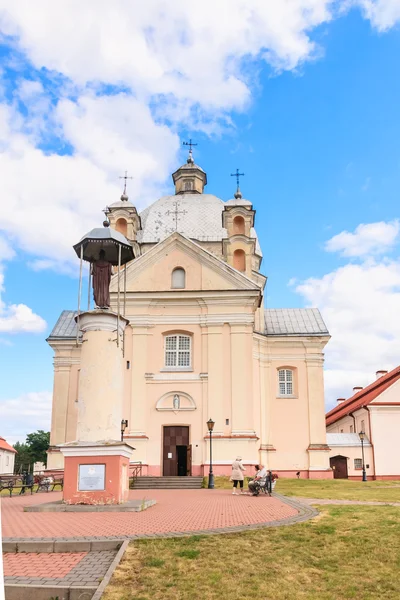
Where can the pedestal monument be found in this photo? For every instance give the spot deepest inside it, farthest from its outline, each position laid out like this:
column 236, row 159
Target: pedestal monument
column 97, row 463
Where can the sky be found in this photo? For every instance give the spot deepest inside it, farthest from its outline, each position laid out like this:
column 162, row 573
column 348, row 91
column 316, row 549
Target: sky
column 302, row 96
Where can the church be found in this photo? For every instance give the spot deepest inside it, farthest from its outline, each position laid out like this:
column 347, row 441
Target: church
column 200, row 345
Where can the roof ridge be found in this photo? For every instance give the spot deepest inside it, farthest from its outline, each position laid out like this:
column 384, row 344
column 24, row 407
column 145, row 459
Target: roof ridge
column 353, row 401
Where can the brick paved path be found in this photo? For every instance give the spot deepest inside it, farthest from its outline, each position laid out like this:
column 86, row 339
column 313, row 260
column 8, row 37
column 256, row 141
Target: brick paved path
column 311, row 501
column 177, row 512
column 83, row 569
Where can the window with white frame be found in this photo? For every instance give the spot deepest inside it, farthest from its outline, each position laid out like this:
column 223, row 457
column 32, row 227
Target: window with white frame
column 363, row 426
column 358, row 463
column 351, row 428
column 178, row 351
column 285, row 377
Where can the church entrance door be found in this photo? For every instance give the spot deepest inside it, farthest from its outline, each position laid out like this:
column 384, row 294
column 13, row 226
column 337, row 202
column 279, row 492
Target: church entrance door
column 176, row 454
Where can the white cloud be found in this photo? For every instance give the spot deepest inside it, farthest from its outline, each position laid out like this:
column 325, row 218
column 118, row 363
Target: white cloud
column 189, row 50
column 383, row 14
column 24, row 414
column 15, row 318
column 367, row 239
column 360, row 304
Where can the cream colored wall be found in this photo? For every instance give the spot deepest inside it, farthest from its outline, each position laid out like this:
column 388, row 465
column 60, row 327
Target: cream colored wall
column 293, row 431
column 7, row 460
column 385, row 426
column 352, row 452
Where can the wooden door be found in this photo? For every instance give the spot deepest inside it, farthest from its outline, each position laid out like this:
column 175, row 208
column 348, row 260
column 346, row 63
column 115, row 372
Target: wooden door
column 173, row 436
column 339, row 466
column 189, row 460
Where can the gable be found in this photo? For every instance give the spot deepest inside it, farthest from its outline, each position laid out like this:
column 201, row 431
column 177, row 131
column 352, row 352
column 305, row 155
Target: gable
column 391, row 395
column 152, row 271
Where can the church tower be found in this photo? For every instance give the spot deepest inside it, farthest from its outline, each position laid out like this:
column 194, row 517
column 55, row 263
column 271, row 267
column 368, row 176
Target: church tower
column 189, row 178
column 123, row 217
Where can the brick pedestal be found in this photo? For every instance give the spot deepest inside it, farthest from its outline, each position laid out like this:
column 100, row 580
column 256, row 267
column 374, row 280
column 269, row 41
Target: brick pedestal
column 96, row 473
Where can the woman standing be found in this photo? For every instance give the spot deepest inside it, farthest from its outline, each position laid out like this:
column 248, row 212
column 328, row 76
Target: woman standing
column 237, row 474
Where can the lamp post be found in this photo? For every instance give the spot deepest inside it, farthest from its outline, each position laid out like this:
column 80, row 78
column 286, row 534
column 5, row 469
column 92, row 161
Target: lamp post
column 210, row 425
column 124, row 425
column 362, row 438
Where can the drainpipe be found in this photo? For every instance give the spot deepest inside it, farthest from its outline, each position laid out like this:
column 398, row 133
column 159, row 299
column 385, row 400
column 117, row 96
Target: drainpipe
column 354, row 419
column 370, row 440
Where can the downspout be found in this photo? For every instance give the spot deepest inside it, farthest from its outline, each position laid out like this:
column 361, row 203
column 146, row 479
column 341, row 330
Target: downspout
column 354, row 419
column 370, row 440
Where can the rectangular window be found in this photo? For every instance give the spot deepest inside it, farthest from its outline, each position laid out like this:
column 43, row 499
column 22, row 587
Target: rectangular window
column 285, row 382
column 351, row 428
column 363, row 426
column 358, row 463
column 178, row 351
column 7, row 460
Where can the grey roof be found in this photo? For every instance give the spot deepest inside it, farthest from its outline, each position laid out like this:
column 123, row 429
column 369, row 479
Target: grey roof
column 65, row 327
column 279, row 321
column 345, row 439
column 294, row 321
column 199, row 218
column 239, row 202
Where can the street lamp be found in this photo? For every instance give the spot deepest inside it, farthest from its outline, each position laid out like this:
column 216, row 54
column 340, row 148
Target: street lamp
column 124, row 425
column 362, row 438
column 210, row 425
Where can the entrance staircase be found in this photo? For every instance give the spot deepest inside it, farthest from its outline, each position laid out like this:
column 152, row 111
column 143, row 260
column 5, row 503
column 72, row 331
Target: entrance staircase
column 167, row 483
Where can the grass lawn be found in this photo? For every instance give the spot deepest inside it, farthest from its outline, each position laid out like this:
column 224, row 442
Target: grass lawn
column 346, row 552
column 383, row 491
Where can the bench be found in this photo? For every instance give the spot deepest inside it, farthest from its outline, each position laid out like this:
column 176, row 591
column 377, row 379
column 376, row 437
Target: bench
column 46, row 482
column 16, row 482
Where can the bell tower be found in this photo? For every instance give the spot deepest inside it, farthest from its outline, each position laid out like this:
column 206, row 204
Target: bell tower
column 123, row 217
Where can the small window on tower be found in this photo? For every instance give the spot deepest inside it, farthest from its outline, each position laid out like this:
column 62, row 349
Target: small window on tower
column 189, row 185
column 239, row 260
column 122, row 226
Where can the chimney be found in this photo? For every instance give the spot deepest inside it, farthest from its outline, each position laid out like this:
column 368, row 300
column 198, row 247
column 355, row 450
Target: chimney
column 340, row 400
column 380, row 374
column 357, row 388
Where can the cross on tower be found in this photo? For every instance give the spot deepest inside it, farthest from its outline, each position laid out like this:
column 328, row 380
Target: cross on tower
column 176, row 214
column 237, row 175
column 125, row 177
column 190, row 144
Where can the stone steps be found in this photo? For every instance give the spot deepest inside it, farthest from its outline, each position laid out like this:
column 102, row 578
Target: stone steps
column 167, row 483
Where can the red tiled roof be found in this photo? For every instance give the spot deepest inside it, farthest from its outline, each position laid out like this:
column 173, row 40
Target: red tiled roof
column 5, row 446
column 363, row 397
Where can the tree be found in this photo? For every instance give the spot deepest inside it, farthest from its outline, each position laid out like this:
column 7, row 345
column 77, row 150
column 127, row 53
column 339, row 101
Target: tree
column 38, row 444
column 23, row 458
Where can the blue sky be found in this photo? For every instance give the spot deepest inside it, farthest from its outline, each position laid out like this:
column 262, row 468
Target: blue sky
column 305, row 102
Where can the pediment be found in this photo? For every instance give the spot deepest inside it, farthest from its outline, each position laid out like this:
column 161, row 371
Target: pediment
column 152, row 271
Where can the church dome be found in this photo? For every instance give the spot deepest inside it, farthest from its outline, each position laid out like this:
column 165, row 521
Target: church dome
column 196, row 216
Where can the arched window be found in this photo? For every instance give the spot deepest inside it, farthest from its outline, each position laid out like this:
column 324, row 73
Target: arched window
column 178, row 351
column 178, row 279
column 122, row 226
column 286, row 382
column 239, row 260
column 238, row 225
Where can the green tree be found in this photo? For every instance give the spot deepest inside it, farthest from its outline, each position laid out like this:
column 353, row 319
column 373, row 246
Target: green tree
column 23, row 458
column 38, row 444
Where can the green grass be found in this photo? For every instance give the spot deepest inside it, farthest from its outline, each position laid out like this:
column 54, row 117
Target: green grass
column 334, row 489
column 347, row 552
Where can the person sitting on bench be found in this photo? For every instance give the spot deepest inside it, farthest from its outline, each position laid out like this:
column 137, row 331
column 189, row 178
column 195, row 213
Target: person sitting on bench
column 258, row 479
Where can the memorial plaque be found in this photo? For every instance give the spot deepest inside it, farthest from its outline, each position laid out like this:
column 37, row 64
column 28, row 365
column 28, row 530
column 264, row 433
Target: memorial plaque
column 92, row 478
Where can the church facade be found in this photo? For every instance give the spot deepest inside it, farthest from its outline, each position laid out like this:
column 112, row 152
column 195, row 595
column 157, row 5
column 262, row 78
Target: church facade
column 201, row 345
